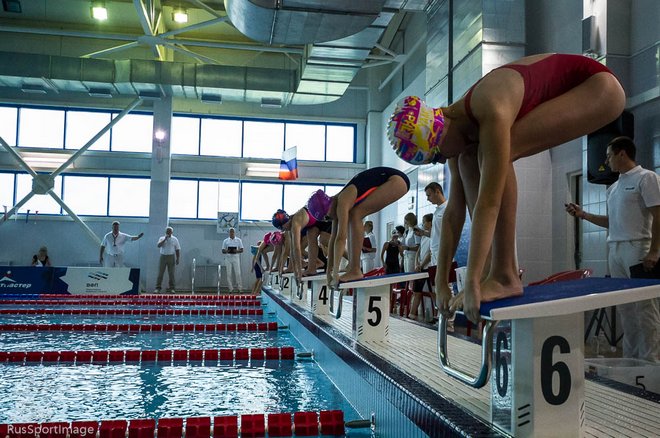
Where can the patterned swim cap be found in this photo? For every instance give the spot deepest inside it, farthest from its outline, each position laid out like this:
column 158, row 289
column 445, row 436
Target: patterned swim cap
column 318, row 205
column 414, row 131
column 279, row 219
column 276, row 238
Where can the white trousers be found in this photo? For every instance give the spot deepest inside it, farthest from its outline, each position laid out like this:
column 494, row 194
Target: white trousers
column 409, row 261
column 640, row 321
column 233, row 265
column 113, row 260
column 368, row 264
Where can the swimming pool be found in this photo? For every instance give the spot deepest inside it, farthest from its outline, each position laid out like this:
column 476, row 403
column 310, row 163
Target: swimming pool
column 64, row 391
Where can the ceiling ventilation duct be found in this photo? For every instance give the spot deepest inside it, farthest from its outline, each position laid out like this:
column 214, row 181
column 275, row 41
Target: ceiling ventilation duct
column 302, row 21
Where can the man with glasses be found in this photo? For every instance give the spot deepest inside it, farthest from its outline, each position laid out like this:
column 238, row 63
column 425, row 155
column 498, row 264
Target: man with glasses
column 113, row 247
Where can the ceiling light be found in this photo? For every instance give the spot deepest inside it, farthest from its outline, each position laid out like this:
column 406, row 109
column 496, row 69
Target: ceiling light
column 211, row 98
column 99, row 12
column 44, row 160
column 11, row 6
column 270, row 102
column 180, row 16
column 100, row 92
column 34, row 88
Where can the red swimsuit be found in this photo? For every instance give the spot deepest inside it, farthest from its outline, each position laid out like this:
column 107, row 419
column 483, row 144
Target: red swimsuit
column 546, row 79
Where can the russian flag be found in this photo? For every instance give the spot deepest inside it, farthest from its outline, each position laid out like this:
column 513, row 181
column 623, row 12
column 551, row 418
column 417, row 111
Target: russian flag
column 289, row 164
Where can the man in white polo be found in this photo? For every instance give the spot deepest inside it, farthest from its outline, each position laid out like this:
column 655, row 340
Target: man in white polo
column 113, row 247
column 232, row 247
column 169, row 248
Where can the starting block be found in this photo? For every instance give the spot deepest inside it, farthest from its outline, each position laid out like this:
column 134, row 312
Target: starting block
column 535, row 343
column 371, row 304
column 274, row 280
column 317, row 295
column 287, row 284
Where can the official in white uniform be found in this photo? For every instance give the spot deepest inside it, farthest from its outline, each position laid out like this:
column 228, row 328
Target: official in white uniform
column 633, row 220
column 112, row 247
column 411, row 240
column 232, row 247
column 170, row 250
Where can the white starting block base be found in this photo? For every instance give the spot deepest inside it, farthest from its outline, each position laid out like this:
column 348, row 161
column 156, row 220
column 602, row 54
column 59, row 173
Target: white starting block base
column 371, row 304
column 533, row 350
column 287, row 285
column 639, row 373
column 274, row 280
column 317, row 295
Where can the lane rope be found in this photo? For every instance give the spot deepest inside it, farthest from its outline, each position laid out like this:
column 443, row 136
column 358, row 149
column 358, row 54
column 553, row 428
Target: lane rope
column 198, row 328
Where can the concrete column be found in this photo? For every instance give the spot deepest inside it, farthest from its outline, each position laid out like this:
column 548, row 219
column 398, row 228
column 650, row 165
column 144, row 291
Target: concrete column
column 159, row 195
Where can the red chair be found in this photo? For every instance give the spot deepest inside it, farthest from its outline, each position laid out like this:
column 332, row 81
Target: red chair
column 577, row 274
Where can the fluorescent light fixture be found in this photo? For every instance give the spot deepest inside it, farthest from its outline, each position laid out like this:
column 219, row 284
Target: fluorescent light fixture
column 212, row 98
column 100, row 92
column 99, row 12
column 180, row 16
column 271, row 102
column 44, row 160
column 12, row 6
column 34, row 88
column 149, row 95
column 263, row 169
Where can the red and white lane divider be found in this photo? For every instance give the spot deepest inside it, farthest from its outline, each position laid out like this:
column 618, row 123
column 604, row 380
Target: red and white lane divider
column 178, row 312
column 151, row 296
column 140, row 302
column 227, row 426
column 162, row 357
column 198, row 328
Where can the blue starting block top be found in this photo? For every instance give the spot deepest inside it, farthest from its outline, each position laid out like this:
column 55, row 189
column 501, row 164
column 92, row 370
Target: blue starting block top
column 383, row 279
column 566, row 297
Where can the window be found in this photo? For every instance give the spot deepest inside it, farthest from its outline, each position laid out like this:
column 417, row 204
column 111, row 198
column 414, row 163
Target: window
column 221, row 138
column 8, row 120
column 260, row 200
column 217, row 196
column 183, row 198
column 341, row 141
column 81, row 126
column 309, row 138
column 129, row 197
column 133, row 133
column 6, row 191
column 333, row 190
column 86, row 195
column 43, row 204
column 296, row 196
column 41, row 128
column 263, row 140
column 185, row 135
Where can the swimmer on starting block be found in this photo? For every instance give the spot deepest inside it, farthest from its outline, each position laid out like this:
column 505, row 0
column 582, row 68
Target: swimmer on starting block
column 515, row 111
column 368, row 192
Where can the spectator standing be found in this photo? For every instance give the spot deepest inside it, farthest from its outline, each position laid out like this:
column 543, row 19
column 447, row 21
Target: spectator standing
column 169, row 248
column 368, row 248
column 411, row 241
column 40, row 259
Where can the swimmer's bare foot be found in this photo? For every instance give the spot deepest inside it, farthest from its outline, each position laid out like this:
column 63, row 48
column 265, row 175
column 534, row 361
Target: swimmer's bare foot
column 308, row 273
column 351, row 275
column 492, row 289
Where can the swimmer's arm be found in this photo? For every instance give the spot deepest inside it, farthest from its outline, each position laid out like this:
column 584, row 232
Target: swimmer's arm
column 296, row 251
column 452, row 223
column 342, row 231
column 494, row 163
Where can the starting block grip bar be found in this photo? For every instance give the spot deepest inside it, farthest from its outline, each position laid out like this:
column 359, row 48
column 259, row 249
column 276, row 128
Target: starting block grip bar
column 336, row 312
column 480, row 379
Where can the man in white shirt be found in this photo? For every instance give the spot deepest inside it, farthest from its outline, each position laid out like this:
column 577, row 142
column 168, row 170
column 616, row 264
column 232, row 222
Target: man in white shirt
column 633, row 222
column 436, row 196
column 113, row 246
column 369, row 249
column 169, row 248
column 232, row 247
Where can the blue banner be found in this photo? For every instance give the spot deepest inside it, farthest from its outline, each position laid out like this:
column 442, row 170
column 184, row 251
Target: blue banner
column 67, row 280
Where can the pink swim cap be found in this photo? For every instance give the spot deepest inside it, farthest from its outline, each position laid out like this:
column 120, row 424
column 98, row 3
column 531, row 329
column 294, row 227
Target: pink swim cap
column 414, row 131
column 319, row 205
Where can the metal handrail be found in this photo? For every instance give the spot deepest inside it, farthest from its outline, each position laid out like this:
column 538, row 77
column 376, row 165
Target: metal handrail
column 219, row 276
column 480, row 379
column 331, row 307
column 192, row 282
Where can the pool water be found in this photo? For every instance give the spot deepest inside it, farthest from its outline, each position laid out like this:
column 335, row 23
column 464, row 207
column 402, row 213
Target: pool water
column 66, row 392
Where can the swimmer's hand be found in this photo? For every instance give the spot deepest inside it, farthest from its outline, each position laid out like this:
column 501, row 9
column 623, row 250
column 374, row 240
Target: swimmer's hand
column 472, row 301
column 444, row 297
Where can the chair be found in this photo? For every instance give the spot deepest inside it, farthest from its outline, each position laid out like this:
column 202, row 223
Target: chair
column 576, row 274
